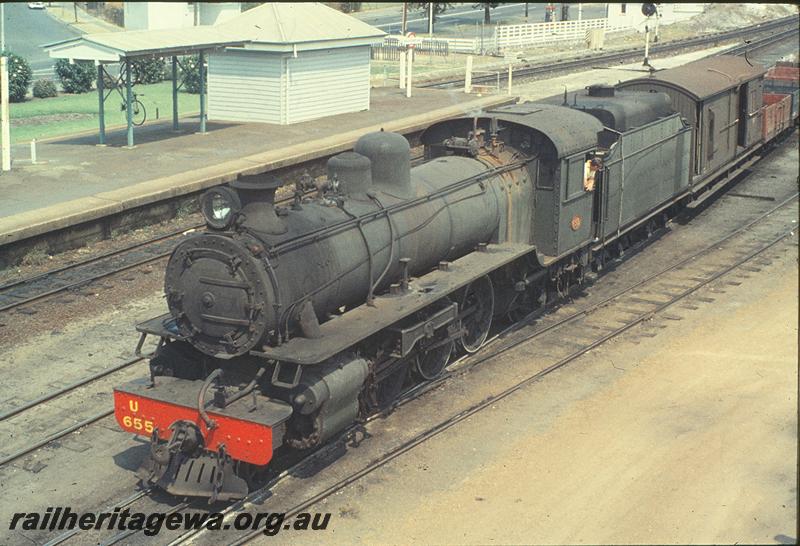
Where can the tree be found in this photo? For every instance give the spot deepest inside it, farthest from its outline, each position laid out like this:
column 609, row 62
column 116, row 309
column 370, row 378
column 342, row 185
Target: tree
column 438, row 7
column 77, row 77
column 148, row 70
column 19, row 77
column 344, row 7
column 191, row 75
column 487, row 7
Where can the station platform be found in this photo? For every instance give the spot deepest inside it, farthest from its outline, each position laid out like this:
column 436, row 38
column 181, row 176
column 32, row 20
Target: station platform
column 75, row 181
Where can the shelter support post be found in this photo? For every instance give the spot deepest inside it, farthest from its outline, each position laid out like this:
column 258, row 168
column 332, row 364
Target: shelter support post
column 129, row 101
column 202, row 92
column 101, row 111
column 174, row 93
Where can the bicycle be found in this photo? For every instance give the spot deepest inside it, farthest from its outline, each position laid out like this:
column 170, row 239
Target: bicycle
column 139, row 113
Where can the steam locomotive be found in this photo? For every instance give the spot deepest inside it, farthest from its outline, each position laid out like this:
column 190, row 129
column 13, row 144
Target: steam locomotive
column 288, row 323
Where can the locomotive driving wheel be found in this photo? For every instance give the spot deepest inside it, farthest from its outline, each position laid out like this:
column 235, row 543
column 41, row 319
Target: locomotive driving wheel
column 433, row 353
column 476, row 309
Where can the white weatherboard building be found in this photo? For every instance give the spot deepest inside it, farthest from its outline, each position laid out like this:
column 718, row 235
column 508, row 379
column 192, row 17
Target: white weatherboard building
column 622, row 15
column 160, row 15
column 301, row 61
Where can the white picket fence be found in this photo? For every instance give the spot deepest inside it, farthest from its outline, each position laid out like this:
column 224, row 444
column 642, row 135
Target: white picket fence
column 457, row 45
column 506, row 36
column 463, row 45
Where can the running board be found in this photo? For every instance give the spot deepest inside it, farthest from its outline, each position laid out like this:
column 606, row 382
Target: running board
column 341, row 333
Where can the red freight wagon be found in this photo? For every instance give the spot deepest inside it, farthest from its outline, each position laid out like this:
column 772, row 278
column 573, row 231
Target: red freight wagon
column 782, row 79
column 777, row 115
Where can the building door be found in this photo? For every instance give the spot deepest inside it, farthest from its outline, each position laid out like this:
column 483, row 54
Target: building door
column 743, row 115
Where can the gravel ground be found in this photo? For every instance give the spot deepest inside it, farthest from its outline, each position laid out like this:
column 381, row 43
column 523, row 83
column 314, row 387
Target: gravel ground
column 91, row 469
column 716, row 18
column 39, row 262
column 53, row 315
column 688, row 437
column 87, row 330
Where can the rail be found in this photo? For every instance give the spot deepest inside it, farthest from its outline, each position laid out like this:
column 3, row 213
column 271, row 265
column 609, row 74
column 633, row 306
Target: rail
column 469, row 362
column 780, row 28
column 723, row 256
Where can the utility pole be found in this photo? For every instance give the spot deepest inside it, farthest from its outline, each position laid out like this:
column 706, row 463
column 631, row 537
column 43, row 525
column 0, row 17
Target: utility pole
column 430, row 18
column 5, row 124
column 2, row 26
column 409, row 64
column 549, row 12
column 526, row 11
column 75, row 10
column 402, row 78
column 658, row 16
column 404, row 24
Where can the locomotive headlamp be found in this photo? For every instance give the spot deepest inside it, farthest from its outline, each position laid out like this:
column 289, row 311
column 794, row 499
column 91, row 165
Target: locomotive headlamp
column 219, row 206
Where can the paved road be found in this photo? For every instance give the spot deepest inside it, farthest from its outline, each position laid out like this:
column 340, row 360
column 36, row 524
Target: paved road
column 27, row 29
column 389, row 19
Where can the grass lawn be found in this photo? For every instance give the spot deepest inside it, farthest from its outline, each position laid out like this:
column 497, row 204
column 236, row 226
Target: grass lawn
column 67, row 114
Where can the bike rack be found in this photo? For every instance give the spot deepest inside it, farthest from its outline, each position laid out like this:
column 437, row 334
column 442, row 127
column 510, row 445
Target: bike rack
column 128, row 97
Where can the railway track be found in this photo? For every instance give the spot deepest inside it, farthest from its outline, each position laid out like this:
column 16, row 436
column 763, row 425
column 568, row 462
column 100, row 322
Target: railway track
column 743, row 246
column 28, row 290
column 21, row 292
column 755, row 228
column 781, row 28
column 33, row 404
column 31, row 289
column 610, row 315
column 25, row 291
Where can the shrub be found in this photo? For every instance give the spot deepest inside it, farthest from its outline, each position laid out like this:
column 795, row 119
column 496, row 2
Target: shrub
column 43, row 89
column 148, row 70
column 19, row 77
column 76, row 78
column 345, row 7
column 191, row 74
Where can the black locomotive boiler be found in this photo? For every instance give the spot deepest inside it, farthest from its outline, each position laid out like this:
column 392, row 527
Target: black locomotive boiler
column 286, row 324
